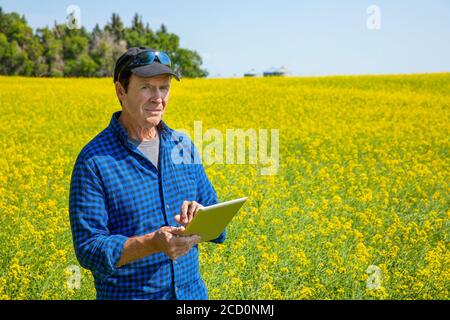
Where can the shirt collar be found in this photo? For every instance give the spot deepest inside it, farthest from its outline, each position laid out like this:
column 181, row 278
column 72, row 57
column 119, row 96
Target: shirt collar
column 122, row 134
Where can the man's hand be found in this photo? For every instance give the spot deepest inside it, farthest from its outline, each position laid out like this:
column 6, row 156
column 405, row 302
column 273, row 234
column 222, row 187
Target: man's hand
column 170, row 241
column 188, row 211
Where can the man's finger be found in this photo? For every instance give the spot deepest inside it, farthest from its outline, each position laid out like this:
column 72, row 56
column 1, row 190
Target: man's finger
column 186, row 241
column 177, row 218
column 195, row 206
column 181, row 243
column 198, row 239
column 167, row 228
column 175, row 230
column 194, row 239
column 181, row 246
column 184, row 209
column 192, row 207
column 189, row 213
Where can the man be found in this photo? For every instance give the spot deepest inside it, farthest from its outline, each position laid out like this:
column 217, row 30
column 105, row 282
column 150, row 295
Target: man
column 129, row 196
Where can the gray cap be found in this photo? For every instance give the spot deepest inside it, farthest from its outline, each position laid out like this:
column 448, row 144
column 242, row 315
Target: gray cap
column 150, row 70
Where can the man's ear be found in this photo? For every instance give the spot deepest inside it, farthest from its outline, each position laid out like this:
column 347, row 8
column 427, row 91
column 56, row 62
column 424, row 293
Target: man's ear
column 120, row 91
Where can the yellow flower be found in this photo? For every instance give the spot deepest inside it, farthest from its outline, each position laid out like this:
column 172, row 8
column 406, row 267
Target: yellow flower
column 305, row 293
column 337, row 200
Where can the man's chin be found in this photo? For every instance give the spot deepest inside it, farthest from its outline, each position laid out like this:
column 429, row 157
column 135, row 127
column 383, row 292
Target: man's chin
column 152, row 121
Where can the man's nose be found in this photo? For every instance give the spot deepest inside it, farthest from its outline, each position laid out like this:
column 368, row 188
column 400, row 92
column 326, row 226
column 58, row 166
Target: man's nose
column 157, row 95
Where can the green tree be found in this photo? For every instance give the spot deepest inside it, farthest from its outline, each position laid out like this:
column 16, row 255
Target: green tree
column 115, row 27
column 60, row 51
column 84, row 66
column 166, row 41
column 22, row 55
column 105, row 50
column 53, row 52
column 107, row 45
column 188, row 63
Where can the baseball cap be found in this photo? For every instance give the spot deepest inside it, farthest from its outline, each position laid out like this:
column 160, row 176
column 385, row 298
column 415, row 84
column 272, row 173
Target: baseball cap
column 144, row 62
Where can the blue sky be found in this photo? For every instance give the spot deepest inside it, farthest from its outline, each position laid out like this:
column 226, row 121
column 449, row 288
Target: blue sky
column 321, row 37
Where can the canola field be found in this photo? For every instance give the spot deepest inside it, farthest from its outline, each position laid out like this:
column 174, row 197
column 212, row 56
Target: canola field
column 359, row 207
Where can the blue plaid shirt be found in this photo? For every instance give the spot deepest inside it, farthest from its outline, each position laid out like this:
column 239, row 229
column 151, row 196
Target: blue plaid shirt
column 117, row 193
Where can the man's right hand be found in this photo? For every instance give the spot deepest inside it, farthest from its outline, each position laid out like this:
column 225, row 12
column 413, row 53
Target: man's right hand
column 170, row 241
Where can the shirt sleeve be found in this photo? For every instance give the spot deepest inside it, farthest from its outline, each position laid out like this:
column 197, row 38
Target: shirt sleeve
column 95, row 248
column 206, row 193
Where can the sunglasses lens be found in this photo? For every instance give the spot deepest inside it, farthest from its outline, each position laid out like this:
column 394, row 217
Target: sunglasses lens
column 164, row 58
column 148, row 57
column 143, row 59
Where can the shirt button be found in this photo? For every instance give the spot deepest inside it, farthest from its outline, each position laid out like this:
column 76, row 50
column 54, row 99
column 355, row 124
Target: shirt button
column 176, row 288
column 175, row 262
column 167, row 206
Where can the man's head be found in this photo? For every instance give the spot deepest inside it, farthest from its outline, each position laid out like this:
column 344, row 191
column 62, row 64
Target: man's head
column 142, row 79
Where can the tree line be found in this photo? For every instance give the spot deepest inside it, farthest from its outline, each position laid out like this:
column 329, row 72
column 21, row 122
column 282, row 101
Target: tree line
column 61, row 51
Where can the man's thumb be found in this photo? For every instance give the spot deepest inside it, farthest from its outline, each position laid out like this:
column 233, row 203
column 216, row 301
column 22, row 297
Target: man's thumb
column 176, row 230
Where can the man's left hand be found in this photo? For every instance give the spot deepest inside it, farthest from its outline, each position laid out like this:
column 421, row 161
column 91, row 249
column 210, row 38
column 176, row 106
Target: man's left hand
column 188, row 211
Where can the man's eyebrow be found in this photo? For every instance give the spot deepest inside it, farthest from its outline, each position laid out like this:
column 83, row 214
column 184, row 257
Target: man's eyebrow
column 148, row 83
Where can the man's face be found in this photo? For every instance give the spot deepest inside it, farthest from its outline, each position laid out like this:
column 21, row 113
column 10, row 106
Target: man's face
column 146, row 99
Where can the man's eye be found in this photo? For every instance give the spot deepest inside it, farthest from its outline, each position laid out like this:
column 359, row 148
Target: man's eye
column 144, row 87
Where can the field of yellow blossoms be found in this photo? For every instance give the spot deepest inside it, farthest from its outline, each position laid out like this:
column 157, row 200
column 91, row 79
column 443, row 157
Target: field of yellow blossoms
column 359, row 208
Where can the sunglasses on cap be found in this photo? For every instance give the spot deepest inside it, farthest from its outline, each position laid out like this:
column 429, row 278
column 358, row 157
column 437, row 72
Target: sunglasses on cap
column 146, row 58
